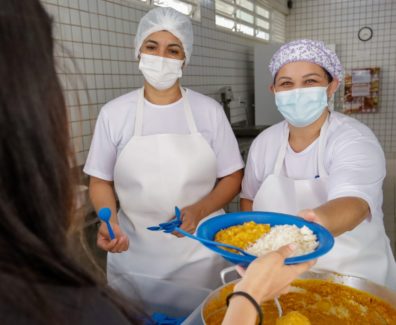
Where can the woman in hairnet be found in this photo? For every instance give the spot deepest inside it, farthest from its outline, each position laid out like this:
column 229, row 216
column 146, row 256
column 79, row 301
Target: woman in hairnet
column 325, row 166
column 162, row 146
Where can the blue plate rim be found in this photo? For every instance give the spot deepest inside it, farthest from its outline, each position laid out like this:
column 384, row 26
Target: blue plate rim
column 326, row 239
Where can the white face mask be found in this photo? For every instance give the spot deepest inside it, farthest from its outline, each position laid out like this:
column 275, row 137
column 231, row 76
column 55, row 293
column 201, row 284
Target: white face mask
column 302, row 106
column 160, row 72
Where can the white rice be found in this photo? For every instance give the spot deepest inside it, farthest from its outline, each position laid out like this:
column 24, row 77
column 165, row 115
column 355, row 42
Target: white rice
column 303, row 238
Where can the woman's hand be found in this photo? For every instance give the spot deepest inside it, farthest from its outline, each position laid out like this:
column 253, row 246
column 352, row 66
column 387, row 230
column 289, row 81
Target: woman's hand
column 268, row 277
column 224, row 191
column 190, row 216
column 309, row 215
column 118, row 245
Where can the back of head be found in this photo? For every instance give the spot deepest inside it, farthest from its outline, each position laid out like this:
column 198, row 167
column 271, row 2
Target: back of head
column 169, row 19
column 35, row 188
column 35, row 184
column 36, row 196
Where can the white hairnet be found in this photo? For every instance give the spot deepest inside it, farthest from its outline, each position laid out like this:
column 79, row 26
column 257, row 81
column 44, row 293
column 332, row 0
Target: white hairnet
column 163, row 18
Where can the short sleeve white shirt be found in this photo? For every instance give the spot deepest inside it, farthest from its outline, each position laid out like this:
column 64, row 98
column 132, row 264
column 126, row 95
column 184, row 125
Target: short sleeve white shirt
column 115, row 127
column 353, row 159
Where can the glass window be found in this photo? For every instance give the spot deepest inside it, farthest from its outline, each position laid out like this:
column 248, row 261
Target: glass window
column 224, row 8
column 263, row 35
column 188, row 7
column 258, row 19
column 245, row 29
column 245, row 16
column 246, row 4
column 262, row 23
column 184, row 8
column 262, row 12
column 224, row 22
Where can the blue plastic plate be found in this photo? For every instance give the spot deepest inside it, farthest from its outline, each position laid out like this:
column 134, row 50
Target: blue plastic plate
column 210, row 227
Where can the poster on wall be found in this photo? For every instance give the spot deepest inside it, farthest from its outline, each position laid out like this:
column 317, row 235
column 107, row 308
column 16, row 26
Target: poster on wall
column 361, row 91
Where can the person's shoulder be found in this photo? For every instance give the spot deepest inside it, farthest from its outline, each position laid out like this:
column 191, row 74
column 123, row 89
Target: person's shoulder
column 121, row 104
column 268, row 141
column 270, row 135
column 343, row 127
column 203, row 102
column 347, row 135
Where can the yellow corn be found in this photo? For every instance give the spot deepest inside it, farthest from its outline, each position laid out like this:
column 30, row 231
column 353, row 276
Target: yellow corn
column 242, row 235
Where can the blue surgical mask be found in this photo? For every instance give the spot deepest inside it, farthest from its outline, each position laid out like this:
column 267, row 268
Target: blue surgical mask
column 302, row 106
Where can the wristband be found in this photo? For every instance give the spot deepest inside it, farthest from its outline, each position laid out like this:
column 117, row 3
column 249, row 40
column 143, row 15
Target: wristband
column 251, row 299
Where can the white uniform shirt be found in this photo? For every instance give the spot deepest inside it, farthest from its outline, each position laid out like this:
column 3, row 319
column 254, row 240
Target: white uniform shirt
column 353, row 159
column 116, row 121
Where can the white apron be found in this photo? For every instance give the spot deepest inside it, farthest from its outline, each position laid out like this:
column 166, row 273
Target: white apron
column 152, row 175
column 365, row 251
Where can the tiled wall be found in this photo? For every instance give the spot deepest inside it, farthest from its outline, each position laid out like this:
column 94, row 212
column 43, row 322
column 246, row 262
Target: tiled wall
column 99, row 34
column 338, row 22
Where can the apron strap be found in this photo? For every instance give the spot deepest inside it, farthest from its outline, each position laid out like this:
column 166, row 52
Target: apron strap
column 320, row 156
column 322, row 171
column 187, row 110
column 282, row 152
column 139, row 113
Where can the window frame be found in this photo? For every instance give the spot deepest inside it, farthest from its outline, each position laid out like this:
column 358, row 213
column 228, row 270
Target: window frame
column 195, row 12
column 255, row 26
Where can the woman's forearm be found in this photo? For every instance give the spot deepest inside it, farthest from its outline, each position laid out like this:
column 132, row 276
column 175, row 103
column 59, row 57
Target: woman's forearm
column 338, row 215
column 223, row 193
column 246, row 205
column 101, row 193
column 342, row 214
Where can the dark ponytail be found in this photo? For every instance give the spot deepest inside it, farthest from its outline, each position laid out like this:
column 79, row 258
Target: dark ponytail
column 36, row 182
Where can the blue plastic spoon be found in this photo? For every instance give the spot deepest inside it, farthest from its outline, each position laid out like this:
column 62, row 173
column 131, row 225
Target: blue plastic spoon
column 104, row 215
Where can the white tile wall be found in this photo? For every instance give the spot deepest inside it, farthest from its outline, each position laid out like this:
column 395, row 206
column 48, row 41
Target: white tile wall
column 338, row 22
column 98, row 35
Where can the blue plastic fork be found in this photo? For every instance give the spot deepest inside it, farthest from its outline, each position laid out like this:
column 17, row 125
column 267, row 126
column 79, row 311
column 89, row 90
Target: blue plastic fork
column 174, row 224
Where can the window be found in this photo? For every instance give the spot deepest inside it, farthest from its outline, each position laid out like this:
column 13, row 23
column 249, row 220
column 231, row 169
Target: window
column 252, row 18
column 188, row 7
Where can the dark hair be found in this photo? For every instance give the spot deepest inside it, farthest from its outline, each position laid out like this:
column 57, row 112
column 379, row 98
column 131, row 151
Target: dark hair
column 36, row 186
column 329, row 77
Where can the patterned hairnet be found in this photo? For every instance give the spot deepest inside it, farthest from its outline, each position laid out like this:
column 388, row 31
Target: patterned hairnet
column 163, row 18
column 310, row 51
